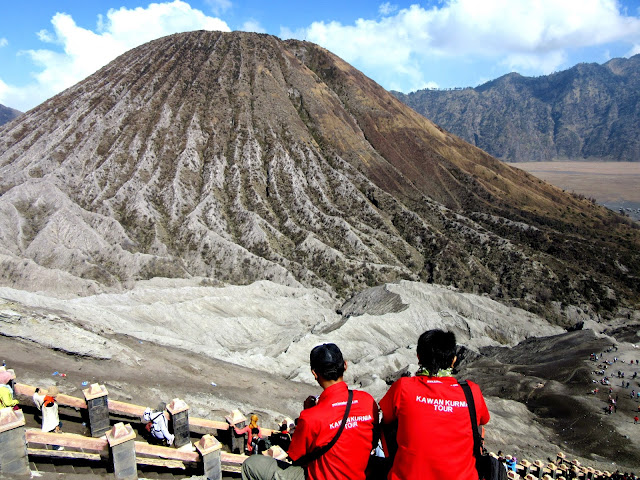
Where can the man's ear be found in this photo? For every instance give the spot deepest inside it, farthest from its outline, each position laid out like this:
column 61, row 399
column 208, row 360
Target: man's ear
column 345, row 365
column 315, row 375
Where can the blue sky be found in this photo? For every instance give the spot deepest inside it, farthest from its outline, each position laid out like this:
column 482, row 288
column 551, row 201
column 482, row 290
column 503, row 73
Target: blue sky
column 48, row 45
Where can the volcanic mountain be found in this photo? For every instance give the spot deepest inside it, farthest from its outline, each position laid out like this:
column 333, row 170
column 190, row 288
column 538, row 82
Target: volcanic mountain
column 238, row 156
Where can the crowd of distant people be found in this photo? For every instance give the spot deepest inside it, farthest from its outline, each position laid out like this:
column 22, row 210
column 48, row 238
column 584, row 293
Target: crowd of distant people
column 605, row 380
column 510, row 463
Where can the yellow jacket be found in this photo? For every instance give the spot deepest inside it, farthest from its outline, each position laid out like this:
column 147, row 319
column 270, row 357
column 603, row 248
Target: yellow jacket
column 6, row 397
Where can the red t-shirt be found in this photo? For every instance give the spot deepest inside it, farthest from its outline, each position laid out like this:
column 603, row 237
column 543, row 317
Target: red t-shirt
column 348, row 458
column 435, row 440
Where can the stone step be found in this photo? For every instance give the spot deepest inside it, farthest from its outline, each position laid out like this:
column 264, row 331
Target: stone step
column 67, row 468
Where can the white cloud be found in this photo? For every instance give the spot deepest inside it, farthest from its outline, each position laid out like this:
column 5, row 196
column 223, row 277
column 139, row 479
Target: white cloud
column 3, row 42
column 635, row 50
column 45, row 36
column 252, row 26
column 387, row 8
column 532, row 35
column 219, row 6
column 286, row 32
column 85, row 51
column 18, row 98
column 543, row 62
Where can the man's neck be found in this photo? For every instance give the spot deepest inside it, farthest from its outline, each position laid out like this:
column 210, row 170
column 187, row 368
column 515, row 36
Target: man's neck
column 324, row 383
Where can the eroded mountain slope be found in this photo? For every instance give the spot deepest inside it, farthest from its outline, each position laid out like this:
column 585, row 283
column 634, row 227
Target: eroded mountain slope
column 240, row 157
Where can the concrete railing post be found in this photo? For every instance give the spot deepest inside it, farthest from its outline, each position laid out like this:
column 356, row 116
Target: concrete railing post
column 179, row 412
column 209, row 448
column 123, row 451
column 13, row 443
column 96, row 397
column 574, row 471
column 237, row 420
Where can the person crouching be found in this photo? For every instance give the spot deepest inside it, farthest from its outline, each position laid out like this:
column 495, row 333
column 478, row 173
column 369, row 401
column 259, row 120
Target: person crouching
column 157, row 425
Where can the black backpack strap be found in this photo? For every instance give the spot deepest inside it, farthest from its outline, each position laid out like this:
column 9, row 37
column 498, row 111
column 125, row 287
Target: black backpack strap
column 157, row 416
column 477, row 439
column 311, row 456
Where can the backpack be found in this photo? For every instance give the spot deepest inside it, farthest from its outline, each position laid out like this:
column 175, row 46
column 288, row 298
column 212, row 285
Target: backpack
column 489, row 468
column 264, row 444
column 281, row 439
column 150, row 425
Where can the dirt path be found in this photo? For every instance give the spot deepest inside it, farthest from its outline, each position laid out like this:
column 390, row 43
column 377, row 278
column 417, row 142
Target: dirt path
column 162, row 374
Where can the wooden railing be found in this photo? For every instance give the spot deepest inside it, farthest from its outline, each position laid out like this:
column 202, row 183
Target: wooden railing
column 88, row 448
column 98, row 449
column 197, row 425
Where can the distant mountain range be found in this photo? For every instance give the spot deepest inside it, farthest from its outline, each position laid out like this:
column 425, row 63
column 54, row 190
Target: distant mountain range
column 240, row 157
column 589, row 112
column 7, row 114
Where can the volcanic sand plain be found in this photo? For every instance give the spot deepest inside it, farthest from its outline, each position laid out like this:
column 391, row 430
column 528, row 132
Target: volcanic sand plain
column 612, row 184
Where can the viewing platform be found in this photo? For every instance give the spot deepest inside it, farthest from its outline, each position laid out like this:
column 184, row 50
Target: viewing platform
column 107, row 437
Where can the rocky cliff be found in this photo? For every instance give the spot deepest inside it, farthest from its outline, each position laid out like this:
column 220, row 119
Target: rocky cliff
column 588, row 112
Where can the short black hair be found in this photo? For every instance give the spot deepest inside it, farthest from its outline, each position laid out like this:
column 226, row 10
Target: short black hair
column 327, row 361
column 436, row 350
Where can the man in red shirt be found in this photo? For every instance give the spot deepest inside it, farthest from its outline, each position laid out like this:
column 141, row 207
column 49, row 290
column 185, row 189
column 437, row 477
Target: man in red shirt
column 317, row 426
column 434, row 436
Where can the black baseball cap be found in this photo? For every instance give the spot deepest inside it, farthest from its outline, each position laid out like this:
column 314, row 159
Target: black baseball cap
column 327, row 360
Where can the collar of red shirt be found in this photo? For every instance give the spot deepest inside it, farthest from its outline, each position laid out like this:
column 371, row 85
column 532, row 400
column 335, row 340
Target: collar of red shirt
column 334, row 390
column 445, row 380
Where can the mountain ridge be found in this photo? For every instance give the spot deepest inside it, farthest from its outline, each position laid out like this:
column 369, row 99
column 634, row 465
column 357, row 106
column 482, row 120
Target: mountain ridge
column 241, row 157
column 589, row 111
column 7, row 114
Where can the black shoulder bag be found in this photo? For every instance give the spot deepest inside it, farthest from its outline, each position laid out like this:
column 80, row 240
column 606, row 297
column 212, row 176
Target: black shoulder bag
column 488, row 467
column 311, row 456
